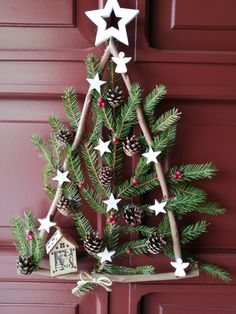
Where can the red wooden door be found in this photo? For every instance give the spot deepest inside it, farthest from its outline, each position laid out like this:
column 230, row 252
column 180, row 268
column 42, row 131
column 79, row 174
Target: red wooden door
column 187, row 45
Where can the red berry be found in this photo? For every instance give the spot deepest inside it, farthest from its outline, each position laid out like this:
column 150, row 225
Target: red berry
column 113, row 222
column 29, row 236
column 135, row 180
column 128, row 251
column 80, row 185
column 178, row 173
column 109, row 219
column 174, row 176
column 115, row 140
column 100, row 100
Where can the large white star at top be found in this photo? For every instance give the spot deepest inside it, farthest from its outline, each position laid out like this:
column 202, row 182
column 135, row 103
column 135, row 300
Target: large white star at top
column 179, row 266
column 112, row 202
column 96, row 83
column 151, row 156
column 97, row 17
column 61, row 177
column 158, row 207
column 46, row 224
column 103, row 147
column 106, row 255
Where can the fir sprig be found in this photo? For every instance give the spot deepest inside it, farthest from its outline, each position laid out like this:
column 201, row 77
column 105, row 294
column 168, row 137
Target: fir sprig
column 50, row 191
column 43, row 148
column 71, row 107
column 144, row 230
column 166, row 120
column 123, row 270
column 153, row 99
column 82, row 224
column 210, row 209
column 193, row 231
column 215, row 271
column 137, row 247
column 92, row 199
column 74, row 165
column 56, row 123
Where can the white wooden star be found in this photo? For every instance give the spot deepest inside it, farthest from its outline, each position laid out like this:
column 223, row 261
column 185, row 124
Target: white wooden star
column 121, row 62
column 103, row 147
column 158, row 207
column 112, row 202
column 106, row 255
column 46, row 224
column 151, row 156
column 96, row 83
column 61, row 177
column 104, row 33
column 179, row 266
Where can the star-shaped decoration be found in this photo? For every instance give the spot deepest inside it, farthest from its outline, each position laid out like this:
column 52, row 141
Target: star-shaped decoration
column 46, row 224
column 151, row 156
column 112, row 202
column 96, row 83
column 61, row 177
column 180, row 267
column 103, row 147
column 106, row 255
column 158, row 207
column 104, row 33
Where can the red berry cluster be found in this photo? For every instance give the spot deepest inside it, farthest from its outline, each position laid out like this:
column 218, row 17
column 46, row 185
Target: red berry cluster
column 101, row 102
column 80, row 186
column 111, row 219
column 178, row 175
column 115, row 140
column 128, row 251
column 29, row 236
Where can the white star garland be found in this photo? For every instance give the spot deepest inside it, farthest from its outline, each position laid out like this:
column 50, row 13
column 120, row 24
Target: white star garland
column 179, row 266
column 46, row 224
column 103, row 147
column 61, row 177
column 104, row 33
column 151, row 156
column 158, row 207
column 96, row 83
column 106, row 255
column 112, row 202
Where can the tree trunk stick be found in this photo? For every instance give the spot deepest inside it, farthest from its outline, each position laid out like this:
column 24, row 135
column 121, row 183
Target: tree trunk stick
column 147, row 134
column 78, row 137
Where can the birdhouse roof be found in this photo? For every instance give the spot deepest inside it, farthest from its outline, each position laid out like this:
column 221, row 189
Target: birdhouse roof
column 57, row 236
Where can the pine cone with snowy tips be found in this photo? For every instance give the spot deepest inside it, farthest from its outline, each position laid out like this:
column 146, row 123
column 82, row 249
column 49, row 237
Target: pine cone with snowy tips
column 115, row 97
column 133, row 215
column 93, row 243
column 25, row 265
column 64, row 206
column 131, row 146
column 106, row 176
column 155, row 243
column 63, row 138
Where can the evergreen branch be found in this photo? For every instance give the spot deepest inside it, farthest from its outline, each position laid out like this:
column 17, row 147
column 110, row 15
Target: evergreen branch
column 71, row 107
column 192, row 172
column 82, row 290
column 193, row 231
column 74, row 166
column 50, row 191
column 92, row 65
column 170, row 135
column 38, row 250
column 164, row 226
column 153, row 99
column 215, row 271
column 97, row 123
column 82, row 225
column 166, row 120
column 92, row 200
column 47, row 173
column 56, row 123
column 123, row 270
column 107, row 117
column 111, row 236
column 168, row 251
column 42, row 146
column 112, row 78
column 210, row 209
column 137, row 247
column 70, row 190
column 57, row 151
column 18, row 231
column 145, row 231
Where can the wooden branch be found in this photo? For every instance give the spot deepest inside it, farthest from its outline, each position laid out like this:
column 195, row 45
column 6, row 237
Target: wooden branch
column 78, row 137
column 160, row 174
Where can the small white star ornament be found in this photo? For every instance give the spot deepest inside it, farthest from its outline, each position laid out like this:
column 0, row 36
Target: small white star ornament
column 103, row 147
column 151, row 156
column 61, row 177
column 158, row 207
column 112, row 202
column 179, row 267
column 96, row 83
column 106, row 255
column 121, row 62
column 46, row 224
column 104, row 33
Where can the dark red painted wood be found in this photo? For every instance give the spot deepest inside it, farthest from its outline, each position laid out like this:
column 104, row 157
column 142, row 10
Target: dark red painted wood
column 42, row 48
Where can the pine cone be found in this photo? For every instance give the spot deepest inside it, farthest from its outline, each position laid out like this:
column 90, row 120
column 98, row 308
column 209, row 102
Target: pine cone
column 115, row 97
column 63, row 138
column 64, row 206
column 133, row 215
column 25, row 265
column 106, row 176
column 93, row 243
column 155, row 243
column 131, row 146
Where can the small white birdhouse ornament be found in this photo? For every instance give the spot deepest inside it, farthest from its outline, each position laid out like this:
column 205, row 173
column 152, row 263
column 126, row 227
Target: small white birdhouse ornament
column 61, row 249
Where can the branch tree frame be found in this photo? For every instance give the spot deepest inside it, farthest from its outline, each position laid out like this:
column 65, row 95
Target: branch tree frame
column 156, row 136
